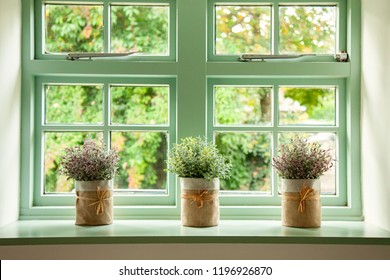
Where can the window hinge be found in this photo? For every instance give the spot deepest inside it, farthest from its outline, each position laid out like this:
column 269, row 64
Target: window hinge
column 341, row 56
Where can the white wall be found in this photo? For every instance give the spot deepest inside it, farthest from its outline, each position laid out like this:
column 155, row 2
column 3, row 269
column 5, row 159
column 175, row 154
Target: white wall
column 10, row 77
column 376, row 111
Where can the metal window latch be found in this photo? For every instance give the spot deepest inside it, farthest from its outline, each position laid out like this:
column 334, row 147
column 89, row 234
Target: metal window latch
column 263, row 57
column 341, row 56
column 90, row 56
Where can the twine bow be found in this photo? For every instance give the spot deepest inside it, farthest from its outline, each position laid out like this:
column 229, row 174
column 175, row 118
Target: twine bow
column 102, row 195
column 305, row 193
column 199, row 198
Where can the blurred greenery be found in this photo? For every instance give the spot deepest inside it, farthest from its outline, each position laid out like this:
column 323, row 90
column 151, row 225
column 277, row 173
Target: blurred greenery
column 307, row 105
column 308, row 29
column 73, row 28
column 239, row 29
column 242, row 105
column 139, row 29
column 243, row 29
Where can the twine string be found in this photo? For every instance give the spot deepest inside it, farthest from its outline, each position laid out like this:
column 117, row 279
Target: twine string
column 305, row 193
column 200, row 198
column 102, row 195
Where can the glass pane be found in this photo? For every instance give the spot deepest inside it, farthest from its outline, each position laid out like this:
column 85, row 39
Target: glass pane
column 308, row 29
column 142, row 160
column 243, row 29
column 54, row 146
column 73, row 104
column 250, row 155
column 142, row 29
column 242, row 105
column 307, row 106
column 73, row 28
column 327, row 141
column 139, row 104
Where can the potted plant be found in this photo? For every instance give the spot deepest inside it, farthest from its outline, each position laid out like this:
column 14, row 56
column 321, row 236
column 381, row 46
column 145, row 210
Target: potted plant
column 200, row 167
column 93, row 169
column 300, row 165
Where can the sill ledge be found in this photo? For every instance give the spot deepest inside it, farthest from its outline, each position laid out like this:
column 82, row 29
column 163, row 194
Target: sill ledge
column 48, row 232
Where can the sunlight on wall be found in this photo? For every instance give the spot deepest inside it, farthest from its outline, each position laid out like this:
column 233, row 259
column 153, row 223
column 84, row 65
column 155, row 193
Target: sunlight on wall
column 375, row 111
column 10, row 74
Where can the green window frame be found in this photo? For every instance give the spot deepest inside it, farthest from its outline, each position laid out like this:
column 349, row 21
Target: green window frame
column 106, row 5
column 274, row 43
column 274, row 129
column 106, row 128
column 192, row 70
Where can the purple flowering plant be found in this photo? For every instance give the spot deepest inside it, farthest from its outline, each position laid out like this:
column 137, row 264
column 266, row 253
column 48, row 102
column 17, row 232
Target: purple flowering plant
column 301, row 159
column 89, row 162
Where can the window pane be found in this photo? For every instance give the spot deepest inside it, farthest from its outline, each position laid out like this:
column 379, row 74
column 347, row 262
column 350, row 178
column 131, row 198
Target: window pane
column 327, row 141
column 54, row 146
column 73, row 28
column 142, row 160
column 243, row 29
column 72, row 104
column 307, row 106
column 308, row 29
column 139, row 104
column 141, row 29
column 250, row 155
column 242, row 105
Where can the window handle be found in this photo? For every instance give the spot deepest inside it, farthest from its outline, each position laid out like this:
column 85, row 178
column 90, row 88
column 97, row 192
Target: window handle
column 77, row 56
column 262, row 57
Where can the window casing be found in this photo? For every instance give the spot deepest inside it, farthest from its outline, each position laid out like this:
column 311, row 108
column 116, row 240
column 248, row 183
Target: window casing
column 193, row 70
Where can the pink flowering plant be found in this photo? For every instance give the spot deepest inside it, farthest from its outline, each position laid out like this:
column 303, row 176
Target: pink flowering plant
column 89, row 162
column 301, row 159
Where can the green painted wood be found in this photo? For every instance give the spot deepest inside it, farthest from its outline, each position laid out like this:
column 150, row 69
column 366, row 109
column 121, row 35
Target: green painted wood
column 191, row 70
column 157, row 231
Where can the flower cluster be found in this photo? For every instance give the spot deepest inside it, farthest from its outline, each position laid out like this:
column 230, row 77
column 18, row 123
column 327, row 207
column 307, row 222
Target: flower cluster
column 301, row 159
column 89, row 163
column 197, row 158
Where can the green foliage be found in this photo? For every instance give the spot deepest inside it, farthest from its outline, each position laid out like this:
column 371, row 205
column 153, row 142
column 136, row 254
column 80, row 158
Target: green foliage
column 79, row 28
column 77, row 104
column 197, row 158
column 249, row 154
column 242, row 105
column 140, row 104
column 74, row 28
column 139, row 28
column 142, row 159
column 311, row 98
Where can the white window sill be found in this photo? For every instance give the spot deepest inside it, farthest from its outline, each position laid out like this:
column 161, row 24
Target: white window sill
column 44, row 232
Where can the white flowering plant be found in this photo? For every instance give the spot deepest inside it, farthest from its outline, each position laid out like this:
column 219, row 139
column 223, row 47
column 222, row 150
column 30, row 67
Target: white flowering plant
column 89, row 162
column 301, row 159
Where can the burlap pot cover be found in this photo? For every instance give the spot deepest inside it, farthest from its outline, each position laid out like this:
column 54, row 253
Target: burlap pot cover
column 301, row 203
column 199, row 202
column 94, row 203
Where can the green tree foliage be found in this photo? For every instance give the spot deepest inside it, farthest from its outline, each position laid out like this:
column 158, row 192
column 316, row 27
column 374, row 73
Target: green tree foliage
column 74, row 28
column 250, row 155
column 239, row 29
column 139, row 28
